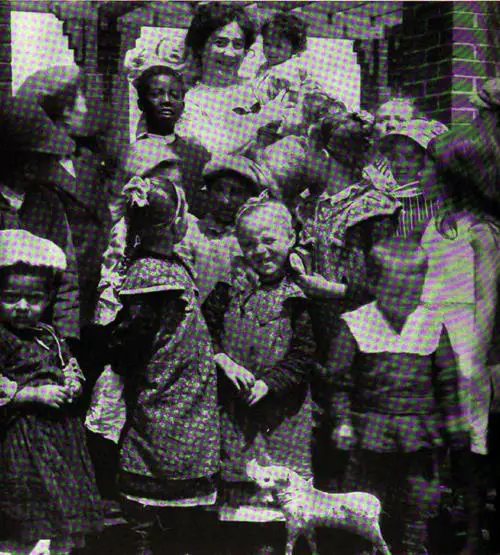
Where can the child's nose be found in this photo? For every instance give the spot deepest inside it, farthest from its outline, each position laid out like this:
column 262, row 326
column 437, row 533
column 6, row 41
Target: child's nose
column 81, row 104
column 22, row 304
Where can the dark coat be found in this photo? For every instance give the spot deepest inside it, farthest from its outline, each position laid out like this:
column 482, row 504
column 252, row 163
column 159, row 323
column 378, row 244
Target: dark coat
column 268, row 331
column 86, row 200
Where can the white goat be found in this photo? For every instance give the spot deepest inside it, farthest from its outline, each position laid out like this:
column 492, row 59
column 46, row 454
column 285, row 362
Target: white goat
column 305, row 508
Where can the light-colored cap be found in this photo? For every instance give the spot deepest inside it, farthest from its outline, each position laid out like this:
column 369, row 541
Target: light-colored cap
column 422, row 131
column 18, row 246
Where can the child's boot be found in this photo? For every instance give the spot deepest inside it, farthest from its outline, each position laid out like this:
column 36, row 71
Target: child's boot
column 141, row 521
column 414, row 541
column 475, row 485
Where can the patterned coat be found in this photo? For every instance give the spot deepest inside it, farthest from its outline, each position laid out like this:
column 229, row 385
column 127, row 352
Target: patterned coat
column 170, row 444
column 267, row 330
column 341, row 230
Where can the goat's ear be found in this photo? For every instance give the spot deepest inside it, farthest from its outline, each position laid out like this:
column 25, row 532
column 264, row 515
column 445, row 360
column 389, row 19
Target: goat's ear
column 252, row 468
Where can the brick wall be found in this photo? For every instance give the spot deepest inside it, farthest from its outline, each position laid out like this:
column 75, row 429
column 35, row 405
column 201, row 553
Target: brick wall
column 5, row 49
column 442, row 53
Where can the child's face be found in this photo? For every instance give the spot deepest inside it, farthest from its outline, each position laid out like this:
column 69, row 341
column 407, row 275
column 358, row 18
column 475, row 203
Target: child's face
column 227, row 193
column 164, row 102
column 391, row 115
column 266, row 237
column 406, row 157
column 277, row 49
column 23, row 298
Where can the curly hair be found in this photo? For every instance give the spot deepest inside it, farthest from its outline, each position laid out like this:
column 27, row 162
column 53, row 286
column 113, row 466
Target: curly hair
column 289, row 26
column 211, row 17
column 141, row 83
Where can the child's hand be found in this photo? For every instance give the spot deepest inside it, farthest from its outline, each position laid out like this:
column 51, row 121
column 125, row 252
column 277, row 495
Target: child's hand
column 73, row 387
column 343, row 436
column 315, row 285
column 54, row 396
column 258, row 392
column 241, row 378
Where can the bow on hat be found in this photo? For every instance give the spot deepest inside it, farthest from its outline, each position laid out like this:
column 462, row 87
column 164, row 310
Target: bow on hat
column 136, row 191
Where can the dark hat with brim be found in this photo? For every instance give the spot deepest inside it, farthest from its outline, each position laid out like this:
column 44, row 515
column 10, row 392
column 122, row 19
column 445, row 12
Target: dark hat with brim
column 468, row 160
column 24, row 127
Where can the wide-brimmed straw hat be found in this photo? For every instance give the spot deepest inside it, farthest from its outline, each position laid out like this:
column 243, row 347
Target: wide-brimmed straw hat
column 24, row 127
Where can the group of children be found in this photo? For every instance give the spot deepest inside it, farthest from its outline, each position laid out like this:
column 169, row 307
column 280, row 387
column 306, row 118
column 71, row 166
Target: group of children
column 311, row 282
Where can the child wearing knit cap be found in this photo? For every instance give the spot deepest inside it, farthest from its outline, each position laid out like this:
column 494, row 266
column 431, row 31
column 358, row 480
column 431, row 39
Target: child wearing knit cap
column 395, row 395
column 48, row 496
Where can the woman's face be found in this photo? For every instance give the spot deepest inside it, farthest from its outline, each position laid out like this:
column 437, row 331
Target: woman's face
column 224, row 51
column 75, row 117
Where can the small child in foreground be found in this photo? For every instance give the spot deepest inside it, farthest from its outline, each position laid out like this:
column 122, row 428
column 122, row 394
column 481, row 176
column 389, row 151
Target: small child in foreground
column 265, row 359
column 395, row 395
column 48, row 497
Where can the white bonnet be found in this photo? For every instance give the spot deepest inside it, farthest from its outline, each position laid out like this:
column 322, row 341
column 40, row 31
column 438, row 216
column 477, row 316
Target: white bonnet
column 18, row 246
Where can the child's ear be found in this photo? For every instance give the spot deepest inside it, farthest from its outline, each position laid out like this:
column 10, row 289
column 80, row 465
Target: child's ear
column 292, row 237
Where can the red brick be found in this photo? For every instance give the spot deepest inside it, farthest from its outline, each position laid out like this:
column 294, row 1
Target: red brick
column 462, row 116
column 464, row 51
column 461, row 100
column 465, row 20
column 473, row 68
column 438, row 86
column 470, row 36
column 463, row 84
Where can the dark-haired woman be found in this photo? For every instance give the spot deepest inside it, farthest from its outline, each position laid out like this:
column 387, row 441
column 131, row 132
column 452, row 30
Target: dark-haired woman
column 79, row 179
column 222, row 112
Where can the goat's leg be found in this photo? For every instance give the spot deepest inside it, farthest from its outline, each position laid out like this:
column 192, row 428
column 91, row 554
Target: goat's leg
column 292, row 533
column 310, row 535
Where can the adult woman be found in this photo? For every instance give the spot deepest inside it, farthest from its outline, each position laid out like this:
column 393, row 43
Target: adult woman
column 28, row 142
column 222, row 111
column 79, row 178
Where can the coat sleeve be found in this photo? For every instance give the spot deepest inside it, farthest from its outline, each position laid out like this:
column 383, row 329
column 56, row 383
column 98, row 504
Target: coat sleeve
column 214, row 309
column 297, row 365
column 138, row 325
column 66, row 310
column 339, row 373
